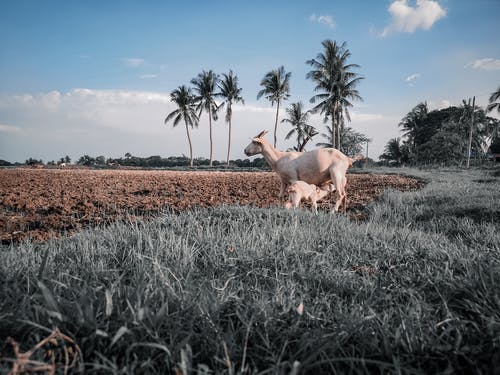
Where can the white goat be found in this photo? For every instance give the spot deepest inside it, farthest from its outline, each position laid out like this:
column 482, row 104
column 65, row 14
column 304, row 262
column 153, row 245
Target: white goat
column 314, row 167
column 301, row 190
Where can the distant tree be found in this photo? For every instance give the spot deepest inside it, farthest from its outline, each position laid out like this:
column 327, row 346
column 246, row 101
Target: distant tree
column 204, row 86
column 495, row 145
column 33, row 161
column 5, row 163
column 231, row 93
column 186, row 111
column 128, row 155
column 446, row 146
column 441, row 136
column 276, row 85
column 393, row 152
column 86, row 160
column 336, row 83
column 299, row 120
column 352, row 142
column 494, row 101
column 413, row 125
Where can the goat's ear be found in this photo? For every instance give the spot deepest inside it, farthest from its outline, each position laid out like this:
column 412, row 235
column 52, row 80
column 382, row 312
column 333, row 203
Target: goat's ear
column 261, row 134
column 257, row 140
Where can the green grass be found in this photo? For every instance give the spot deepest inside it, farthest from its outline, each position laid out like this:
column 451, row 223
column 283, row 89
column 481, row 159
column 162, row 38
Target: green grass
column 414, row 289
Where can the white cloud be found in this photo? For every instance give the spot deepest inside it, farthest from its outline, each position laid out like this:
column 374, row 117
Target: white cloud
column 439, row 104
column 10, row 129
column 412, row 78
column 133, row 62
column 485, row 64
column 323, row 19
column 365, row 117
column 148, row 76
column 406, row 18
column 444, row 104
column 253, row 109
column 49, row 101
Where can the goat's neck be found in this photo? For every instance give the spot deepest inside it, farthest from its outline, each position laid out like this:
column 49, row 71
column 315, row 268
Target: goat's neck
column 271, row 154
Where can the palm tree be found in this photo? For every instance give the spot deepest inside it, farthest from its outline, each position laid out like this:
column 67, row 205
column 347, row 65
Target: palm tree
column 186, row 111
column 393, row 151
column 231, row 93
column 479, row 127
column 336, row 84
column 276, row 85
column 204, row 86
column 413, row 125
column 494, row 101
column 299, row 120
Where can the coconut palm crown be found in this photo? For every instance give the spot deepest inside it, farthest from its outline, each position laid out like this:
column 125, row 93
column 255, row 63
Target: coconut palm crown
column 186, row 110
column 300, row 123
column 276, row 85
column 494, row 101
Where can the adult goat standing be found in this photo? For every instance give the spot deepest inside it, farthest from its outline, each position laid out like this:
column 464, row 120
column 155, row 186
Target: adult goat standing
column 314, row 167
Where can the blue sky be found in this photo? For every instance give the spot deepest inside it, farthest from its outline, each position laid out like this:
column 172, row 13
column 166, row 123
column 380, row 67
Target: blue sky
column 94, row 77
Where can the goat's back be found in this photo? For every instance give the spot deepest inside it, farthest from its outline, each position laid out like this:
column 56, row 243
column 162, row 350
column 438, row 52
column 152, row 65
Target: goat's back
column 314, row 166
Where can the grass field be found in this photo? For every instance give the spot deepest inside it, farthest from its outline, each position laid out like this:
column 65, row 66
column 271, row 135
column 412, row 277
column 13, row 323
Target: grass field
column 413, row 289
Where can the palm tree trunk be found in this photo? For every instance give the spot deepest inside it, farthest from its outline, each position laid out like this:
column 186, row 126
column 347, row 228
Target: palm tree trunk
column 303, row 144
column 228, row 143
column 190, row 146
column 276, row 123
column 210, row 125
column 338, row 130
column 469, row 148
column 333, row 131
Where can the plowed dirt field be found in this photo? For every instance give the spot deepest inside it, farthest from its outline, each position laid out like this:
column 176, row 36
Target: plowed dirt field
column 42, row 204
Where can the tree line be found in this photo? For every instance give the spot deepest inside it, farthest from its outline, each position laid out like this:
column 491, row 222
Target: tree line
column 443, row 136
column 335, row 89
column 129, row 160
column 157, row 161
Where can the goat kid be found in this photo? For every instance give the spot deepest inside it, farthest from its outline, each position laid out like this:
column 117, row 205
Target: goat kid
column 301, row 190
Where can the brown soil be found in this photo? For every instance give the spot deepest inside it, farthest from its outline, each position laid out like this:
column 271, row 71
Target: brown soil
column 42, row 204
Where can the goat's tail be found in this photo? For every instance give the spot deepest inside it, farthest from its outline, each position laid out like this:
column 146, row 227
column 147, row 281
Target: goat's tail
column 355, row 158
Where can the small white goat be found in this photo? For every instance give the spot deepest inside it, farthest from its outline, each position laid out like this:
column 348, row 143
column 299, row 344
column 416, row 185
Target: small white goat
column 301, row 190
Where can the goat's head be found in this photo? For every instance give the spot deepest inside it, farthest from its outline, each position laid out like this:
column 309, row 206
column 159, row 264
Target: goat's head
column 255, row 147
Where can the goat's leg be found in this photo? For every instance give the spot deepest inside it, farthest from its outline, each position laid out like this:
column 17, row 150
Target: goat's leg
column 344, row 203
column 314, row 205
column 338, row 180
column 293, row 200
column 297, row 197
column 283, row 187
